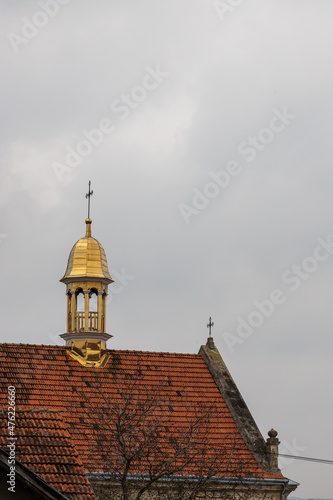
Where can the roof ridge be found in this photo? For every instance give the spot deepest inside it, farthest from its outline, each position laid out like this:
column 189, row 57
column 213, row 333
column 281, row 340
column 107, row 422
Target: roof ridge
column 156, row 352
column 55, row 346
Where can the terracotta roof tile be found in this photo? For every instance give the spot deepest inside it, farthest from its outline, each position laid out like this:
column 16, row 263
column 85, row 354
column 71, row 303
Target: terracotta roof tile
column 48, row 376
column 44, row 446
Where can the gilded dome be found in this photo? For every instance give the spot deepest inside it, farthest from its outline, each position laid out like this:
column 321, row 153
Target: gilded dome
column 87, row 260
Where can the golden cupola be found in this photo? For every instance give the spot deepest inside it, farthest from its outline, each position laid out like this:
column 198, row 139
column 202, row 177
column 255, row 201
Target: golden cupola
column 87, row 260
column 87, row 278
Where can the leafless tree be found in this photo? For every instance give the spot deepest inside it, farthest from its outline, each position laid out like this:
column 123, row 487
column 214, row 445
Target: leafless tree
column 151, row 454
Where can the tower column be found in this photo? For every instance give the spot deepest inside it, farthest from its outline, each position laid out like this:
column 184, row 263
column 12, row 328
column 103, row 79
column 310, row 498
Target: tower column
column 86, row 310
column 73, row 312
column 69, row 311
column 99, row 311
column 103, row 328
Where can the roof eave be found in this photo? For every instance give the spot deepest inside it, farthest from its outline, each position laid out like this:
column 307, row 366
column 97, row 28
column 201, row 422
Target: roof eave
column 77, row 279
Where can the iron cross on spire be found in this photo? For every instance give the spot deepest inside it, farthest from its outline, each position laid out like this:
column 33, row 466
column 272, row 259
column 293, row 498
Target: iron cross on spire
column 88, row 195
column 209, row 325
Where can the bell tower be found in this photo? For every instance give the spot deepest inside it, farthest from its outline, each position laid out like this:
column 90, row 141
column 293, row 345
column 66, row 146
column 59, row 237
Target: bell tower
column 87, row 278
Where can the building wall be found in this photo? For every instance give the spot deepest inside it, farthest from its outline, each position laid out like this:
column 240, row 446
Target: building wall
column 105, row 490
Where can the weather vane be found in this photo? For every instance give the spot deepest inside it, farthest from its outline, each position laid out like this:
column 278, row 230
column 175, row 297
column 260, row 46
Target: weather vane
column 88, row 195
column 209, row 325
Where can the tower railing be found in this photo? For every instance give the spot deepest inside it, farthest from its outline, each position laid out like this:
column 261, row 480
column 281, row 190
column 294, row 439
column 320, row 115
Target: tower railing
column 81, row 321
column 79, row 326
column 93, row 321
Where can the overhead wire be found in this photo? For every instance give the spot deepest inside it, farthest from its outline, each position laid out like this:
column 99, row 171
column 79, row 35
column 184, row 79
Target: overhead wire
column 307, row 459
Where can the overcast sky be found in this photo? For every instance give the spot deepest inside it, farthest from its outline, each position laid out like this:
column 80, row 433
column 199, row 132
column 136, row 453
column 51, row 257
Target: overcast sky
column 212, row 178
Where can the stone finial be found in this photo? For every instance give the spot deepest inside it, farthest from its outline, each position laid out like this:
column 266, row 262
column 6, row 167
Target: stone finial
column 272, row 433
column 210, row 343
column 272, row 445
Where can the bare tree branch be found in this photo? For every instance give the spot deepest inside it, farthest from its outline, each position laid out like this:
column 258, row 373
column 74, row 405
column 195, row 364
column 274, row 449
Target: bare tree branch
column 147, row 448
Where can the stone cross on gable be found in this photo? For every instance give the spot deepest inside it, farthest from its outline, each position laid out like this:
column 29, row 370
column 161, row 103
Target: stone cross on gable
column 210, row 325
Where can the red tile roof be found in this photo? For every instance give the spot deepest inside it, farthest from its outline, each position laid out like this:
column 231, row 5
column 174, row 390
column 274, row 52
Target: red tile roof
column 43, row 444
column 48, row 376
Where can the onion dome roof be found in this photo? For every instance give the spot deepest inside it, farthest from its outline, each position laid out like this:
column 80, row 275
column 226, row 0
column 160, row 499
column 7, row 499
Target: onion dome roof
column 87, row 260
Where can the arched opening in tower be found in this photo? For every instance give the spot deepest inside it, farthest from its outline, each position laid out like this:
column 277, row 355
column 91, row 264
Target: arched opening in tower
column 80, row 308
column 93, row 310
